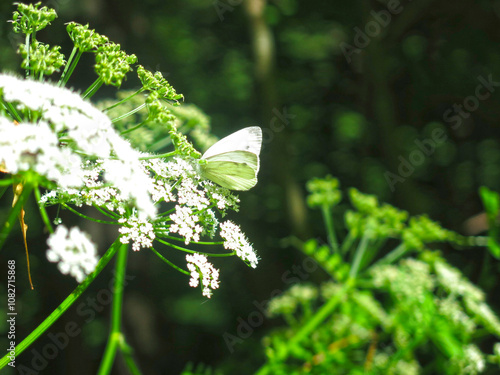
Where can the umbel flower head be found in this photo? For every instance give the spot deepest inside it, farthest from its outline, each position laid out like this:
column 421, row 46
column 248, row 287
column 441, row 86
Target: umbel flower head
column 64, row 144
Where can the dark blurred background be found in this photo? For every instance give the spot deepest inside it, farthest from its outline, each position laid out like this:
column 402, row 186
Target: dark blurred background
column 351, row 89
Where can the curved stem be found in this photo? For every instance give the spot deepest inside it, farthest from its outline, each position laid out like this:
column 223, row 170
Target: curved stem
column 115, row 335
column 88, row 217
column 124, row 100
column 169, row 262
column 129, row 113
column 56, row 314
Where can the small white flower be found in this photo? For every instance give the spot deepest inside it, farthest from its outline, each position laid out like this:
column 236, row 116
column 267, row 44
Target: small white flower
column 140, row 231
column 75, row 253
column 185, row 224
column 198, row 265
column 236, row 240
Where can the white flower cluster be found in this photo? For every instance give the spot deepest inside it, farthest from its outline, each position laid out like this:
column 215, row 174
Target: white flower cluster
column 87, row 131
column 198, row 265
column 185, row 224
column 139, row 231
column 35, row 147
column 72, row 249
column 183, row 176
column 455, row 283
column 473, row 361
column 236, row 240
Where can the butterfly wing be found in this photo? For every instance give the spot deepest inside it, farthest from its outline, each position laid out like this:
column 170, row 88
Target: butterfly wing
column 240, row 157
column 230, row 174
column 247, row 139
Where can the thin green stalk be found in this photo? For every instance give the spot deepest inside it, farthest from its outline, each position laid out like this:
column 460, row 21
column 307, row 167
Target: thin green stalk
column 129, row 130
column 394, row 255
column 12, row 111
column 56, row 314
column 6, row 183
column 129, row 360
column 358, row 256
column 324, row 312
column 88, row 217
column 194, row 251
column 197, row 243
column 107, row 213
column 327, row 216
column 142, row 89
column 70, row 66
column 348, row 242
column 168, row 154
column 42, row 210
column 115, row 335
column 93, row 88
column 169, row 262
column 14, row 213
column 130, row 113
column 3, row 188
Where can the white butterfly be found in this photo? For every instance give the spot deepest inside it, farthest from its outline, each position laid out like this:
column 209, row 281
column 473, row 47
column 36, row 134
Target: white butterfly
column 233, row 162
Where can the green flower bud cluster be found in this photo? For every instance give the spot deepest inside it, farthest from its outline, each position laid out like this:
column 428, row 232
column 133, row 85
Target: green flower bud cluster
column 41, row 58
column 84, row 39
column 323, row 192
column 30, row 18
column 112, row 64
column 155, row 82
column 381, row 221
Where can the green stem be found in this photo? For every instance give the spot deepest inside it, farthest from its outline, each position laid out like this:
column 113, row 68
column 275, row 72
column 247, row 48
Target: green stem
column 197, row 243
column 139, row 125
column 14, row 213
column 107, row 213
column 70, row 66
column 129, row 360
column 169, row 262
column 64, row 305
column 124, row 100
column 311, row 325
column 194, row 251
column 115, row 336
column 394, row 255
column 348, row 242
column 11, row 111
column 327, row 216
column 88, row 217
column 43, row 212
column 6, row 183
column 128, row 113
column 360, row 252
column 93, row 88
column 168, row 154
